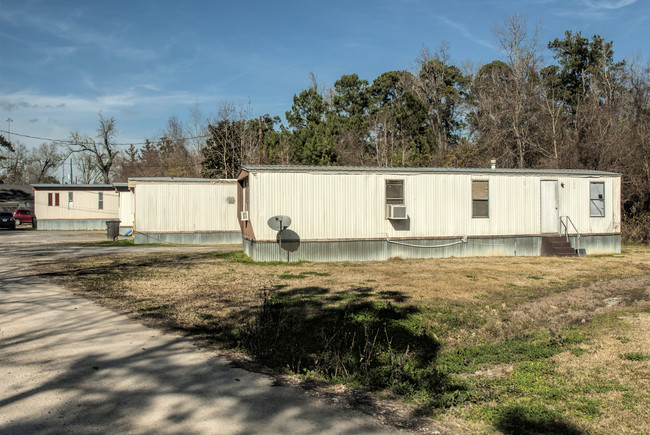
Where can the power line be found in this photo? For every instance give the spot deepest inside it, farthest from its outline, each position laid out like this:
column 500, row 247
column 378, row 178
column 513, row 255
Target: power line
column 70, row 142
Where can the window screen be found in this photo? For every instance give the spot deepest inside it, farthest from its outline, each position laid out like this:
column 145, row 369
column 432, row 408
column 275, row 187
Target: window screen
column 100, row 200
column 480, row 199
column 597, row 199
column 395, row 192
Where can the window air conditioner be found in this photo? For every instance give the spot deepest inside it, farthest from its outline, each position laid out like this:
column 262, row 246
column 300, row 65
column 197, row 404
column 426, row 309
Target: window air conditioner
column 397, row 211
column 244, row 215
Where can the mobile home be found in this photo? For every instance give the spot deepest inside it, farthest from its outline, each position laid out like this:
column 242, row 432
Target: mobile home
column 348, row 213
column 74, row 206
column 185, row 210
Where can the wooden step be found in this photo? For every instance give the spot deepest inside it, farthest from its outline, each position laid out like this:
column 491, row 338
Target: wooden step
column 557, row 246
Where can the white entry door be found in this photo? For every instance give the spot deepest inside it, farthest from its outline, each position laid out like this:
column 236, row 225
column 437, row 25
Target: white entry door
column 549, row 207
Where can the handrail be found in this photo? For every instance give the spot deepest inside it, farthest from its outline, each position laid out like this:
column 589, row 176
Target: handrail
column 566, row 229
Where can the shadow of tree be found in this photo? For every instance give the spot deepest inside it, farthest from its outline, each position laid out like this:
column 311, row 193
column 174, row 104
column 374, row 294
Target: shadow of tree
column 517, row 419
column 351, row 336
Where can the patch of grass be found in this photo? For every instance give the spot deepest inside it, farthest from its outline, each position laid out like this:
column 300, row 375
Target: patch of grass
column 205, row 316
column 288, row 275
column 120, row 242
column 241, row 258
column 301, row 275
column 635, row 356
column 467, row 359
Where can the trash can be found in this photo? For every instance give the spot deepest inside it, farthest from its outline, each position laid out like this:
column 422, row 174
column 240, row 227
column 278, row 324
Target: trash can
column 112, row 229
column 34, row 222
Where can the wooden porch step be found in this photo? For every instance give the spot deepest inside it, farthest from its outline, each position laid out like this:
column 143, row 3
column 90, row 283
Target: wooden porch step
column 557, row 246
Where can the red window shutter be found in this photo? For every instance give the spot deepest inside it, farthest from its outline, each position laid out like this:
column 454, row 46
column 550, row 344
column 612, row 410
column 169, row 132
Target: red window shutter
column 56, row 199
column 49, row 199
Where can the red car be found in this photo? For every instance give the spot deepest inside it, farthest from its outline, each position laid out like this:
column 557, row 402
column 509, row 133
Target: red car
column 23, row 215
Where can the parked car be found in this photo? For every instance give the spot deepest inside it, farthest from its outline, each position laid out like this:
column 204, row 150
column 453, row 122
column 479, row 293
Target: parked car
column 23, row 215
column 7, row 220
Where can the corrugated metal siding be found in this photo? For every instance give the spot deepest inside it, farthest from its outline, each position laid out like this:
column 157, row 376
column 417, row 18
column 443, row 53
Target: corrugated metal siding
column 185, row 207
column 85, row 204
column 368, row 250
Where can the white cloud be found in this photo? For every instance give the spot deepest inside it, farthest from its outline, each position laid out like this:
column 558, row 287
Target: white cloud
column 608, row 4
column 465, row 32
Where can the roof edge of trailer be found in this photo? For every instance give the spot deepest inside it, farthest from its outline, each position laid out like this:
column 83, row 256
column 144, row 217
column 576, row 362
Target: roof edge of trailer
column 180, row 180
column 72, row 186
column 383, row 170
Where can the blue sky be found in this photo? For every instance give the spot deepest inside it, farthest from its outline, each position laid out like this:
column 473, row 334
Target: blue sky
column 141, row 61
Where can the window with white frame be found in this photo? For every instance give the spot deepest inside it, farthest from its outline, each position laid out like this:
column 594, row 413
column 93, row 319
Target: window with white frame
column 100, row 200
column 597, row 199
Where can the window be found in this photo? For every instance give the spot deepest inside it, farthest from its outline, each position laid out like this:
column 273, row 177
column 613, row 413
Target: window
column 245, row 195
column 49, row 199
column 70, row 201
column 597, row 199
column 100, row 200
column 395, row 192
column 56, row 199
column 480, row 199
column 70, row 198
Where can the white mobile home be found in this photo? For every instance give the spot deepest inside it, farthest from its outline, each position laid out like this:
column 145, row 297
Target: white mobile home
column 74, row 206
column 346, row 213
column 185, row 210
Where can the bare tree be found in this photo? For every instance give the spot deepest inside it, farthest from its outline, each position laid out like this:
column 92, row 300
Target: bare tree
column 104, row 152
column 87, row 170
column 42, row 162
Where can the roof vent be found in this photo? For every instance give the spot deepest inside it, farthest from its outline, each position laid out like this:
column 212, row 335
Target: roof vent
column 493, row 163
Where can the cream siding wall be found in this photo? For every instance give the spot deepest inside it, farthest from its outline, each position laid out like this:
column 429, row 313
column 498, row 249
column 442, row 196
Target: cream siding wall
column 185, row 207
column 126, row 208
column 352, row 206
column 85, row 204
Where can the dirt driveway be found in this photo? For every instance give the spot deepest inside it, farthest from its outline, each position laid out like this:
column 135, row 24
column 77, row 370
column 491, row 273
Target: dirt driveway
column 70, row 366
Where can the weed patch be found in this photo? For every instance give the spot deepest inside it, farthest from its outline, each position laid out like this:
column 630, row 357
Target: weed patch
column 635, row 356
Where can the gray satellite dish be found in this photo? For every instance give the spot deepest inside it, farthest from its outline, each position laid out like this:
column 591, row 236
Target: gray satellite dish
column 279, row 223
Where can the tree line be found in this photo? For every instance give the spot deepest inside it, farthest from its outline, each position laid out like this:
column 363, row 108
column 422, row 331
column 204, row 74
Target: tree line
column 583, row 110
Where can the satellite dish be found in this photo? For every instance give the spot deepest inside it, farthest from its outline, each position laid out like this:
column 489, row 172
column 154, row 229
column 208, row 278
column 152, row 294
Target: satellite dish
column 288, row 240
column 279, row 223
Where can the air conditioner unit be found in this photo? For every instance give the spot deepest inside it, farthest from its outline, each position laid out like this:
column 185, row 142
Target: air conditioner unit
column 244, row 215
column 397, row 211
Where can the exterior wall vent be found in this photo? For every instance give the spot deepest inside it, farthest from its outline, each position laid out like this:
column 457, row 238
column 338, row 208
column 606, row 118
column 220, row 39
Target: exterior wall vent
column 244, row 216
column 397, row 211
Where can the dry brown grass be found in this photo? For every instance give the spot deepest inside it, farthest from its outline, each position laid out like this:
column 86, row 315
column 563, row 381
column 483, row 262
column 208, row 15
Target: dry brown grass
column 603, row 365
column 506, row 296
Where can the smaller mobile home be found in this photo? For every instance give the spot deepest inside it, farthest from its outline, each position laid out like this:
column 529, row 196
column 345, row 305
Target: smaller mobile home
column 185, row 210
column 347, row 213
column 74, row 206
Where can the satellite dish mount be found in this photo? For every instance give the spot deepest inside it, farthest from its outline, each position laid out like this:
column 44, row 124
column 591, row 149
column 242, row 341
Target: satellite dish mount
column 280, row 223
